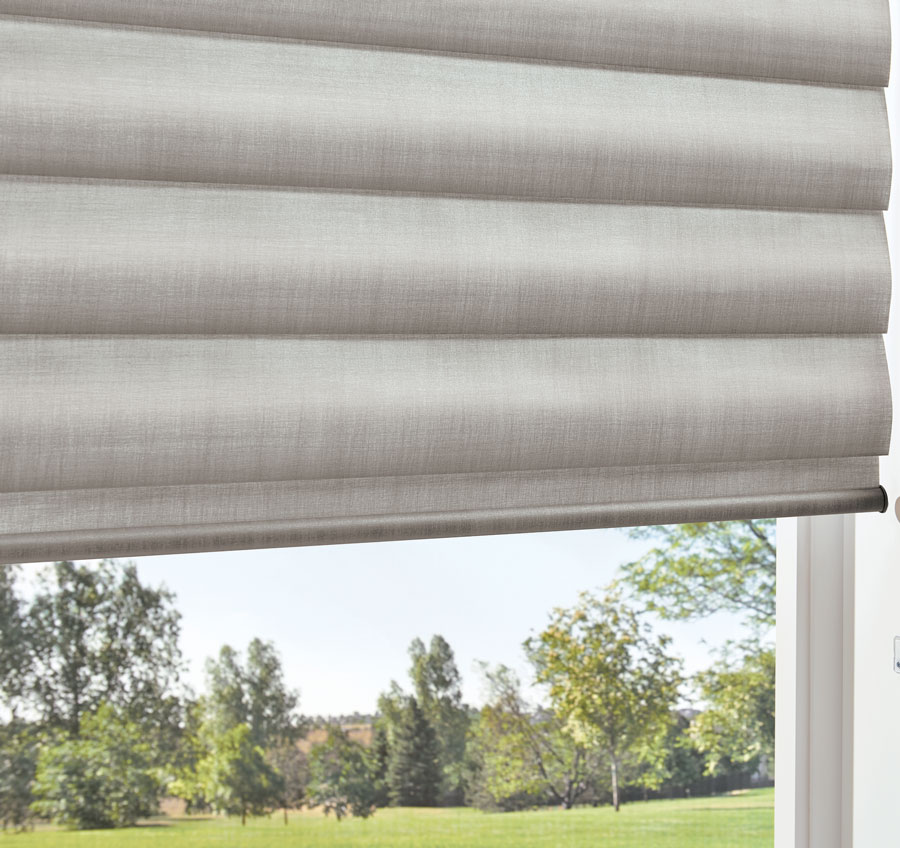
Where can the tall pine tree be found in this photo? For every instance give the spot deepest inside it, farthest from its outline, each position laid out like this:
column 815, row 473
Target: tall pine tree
column 414, row 773
column 438, row 689
column 380, row 758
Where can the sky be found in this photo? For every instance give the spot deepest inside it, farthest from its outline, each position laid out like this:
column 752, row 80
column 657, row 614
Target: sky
column 342, row 616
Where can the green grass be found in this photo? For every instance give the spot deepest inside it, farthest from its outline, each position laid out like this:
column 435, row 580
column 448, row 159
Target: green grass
column 743, row 820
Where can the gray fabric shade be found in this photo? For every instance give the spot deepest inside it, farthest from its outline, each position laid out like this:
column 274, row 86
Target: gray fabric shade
column 284, row 273
column 242, row 260
column 829, row 41
column 88, row 101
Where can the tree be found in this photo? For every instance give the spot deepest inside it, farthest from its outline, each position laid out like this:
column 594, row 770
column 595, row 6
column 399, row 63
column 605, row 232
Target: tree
column 100, row 636
column 15, row 654
column 671, row 760
column 238, row 754
column 379, row 761
column 254, row 694
column 18, row 760
column 341, row 780
column 191, row 748
column 438, row 688
column 610, row 681
column 414, row 775
column 700, row 569
column 725, row 566
column 738, row 727
column 101, row 777
column 292, row 765
column 522, row 755
column 235, row 777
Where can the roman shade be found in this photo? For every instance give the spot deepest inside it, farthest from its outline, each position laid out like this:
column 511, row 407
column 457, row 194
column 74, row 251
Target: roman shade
column 293, row 272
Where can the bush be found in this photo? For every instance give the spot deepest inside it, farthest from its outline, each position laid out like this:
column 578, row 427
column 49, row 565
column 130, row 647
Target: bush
column 102, row 778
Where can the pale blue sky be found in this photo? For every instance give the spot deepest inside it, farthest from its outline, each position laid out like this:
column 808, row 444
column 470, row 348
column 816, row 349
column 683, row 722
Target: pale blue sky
column 343, row 616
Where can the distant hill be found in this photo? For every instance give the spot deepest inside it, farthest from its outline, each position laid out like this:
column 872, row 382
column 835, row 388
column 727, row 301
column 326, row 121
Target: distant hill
column 362, row 732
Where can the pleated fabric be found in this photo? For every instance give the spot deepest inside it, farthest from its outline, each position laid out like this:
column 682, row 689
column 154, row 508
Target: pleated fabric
column 284, row 273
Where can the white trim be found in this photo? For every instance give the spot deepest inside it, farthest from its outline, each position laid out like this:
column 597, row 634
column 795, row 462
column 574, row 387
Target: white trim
column 876, row 743
column 791, row 643
column 814, row 682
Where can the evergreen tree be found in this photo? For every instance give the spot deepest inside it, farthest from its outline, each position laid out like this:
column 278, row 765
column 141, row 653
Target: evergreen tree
column 414, row 774
column 438, row 689
column 380, row 755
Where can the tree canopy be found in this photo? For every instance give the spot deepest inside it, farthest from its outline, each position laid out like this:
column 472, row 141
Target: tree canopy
column 99, row 778
column 97, row 635
column 523, row 755
column 738, row 726
column 611, row 681
column 235, row 777
column 699, row 569
column 253, row 693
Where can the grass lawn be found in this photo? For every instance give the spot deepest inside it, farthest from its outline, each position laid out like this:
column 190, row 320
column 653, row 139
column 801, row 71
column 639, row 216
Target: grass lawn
column 742, row 820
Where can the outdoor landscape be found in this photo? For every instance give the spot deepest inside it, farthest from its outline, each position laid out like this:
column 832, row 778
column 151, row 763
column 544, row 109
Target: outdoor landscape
column 606, row 739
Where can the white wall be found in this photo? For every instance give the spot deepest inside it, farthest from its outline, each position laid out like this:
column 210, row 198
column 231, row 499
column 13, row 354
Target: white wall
column 876, row 790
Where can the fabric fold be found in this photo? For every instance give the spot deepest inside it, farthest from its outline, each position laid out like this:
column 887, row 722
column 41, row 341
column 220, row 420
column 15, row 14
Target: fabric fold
column 155, row 105
column 826, row 41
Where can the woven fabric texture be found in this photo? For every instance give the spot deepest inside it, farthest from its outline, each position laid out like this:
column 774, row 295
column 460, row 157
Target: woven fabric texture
column 284, row 273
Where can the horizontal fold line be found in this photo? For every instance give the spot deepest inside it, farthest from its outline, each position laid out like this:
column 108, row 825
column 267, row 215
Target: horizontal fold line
column 422, row 51
column 500, row 198
column 160, row 540
column 401, row 337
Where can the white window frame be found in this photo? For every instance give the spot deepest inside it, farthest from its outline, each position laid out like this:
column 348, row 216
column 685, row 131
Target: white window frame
column 837, row 731
column 814, row 682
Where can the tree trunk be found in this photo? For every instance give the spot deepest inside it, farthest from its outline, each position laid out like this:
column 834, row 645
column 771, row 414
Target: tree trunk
column 615, row 783
column 243, row 816
column 285, row 816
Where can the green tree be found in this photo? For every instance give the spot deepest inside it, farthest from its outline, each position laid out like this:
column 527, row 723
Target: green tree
column 379, row 761
column 235, row 777
column 100, row 636
column 611, row 682
column 253, row 693
column 292, row 764
column 390, row 710
column 438, row 688
column 671, row 761
column 192, row 747
column 696, row 570
column 414, row 775
column 18, row 760
column 523, row 756
column 699, row 569
column 101, row 777
column 340, row 777
column 738, row 727
column 15, row 653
